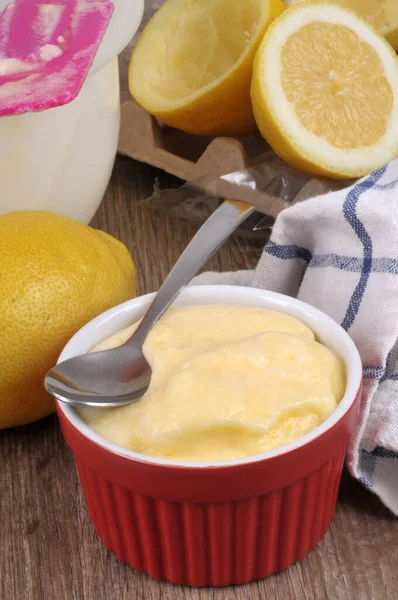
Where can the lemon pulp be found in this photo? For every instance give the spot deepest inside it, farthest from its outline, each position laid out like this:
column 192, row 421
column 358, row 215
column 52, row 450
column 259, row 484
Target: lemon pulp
column 198, row 46
column 336, row 83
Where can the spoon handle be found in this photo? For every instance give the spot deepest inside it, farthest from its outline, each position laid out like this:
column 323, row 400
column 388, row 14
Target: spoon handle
column 210, row 237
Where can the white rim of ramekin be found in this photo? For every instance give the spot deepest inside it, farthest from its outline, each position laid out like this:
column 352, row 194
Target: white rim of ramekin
column 325, row 328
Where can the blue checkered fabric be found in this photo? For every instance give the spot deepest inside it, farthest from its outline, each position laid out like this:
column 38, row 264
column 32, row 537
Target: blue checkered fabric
column 339, row 252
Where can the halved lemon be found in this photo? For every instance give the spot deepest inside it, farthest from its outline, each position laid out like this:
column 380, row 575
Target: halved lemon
column 192, row 65
column 325, row 91
column 382, row 14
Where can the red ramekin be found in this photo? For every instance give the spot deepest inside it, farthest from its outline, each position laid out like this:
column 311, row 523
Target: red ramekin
column 215, row 524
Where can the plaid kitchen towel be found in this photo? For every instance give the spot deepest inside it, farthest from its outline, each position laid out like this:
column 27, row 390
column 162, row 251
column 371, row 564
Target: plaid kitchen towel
column 339, row 252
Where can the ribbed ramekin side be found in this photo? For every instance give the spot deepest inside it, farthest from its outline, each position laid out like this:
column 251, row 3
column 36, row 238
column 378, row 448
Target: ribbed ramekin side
column 216, row 543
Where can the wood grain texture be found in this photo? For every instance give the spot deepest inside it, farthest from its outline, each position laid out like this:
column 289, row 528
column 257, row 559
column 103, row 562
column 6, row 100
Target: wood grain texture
column 48, row 548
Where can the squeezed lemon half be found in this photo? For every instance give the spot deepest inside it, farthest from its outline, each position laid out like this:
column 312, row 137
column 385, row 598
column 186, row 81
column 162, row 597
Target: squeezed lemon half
column 192, row 65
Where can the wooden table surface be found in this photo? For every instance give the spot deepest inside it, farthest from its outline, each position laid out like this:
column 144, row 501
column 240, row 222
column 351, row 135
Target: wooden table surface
column 48, row 547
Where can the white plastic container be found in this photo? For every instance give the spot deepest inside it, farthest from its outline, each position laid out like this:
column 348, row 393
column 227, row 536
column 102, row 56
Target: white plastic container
column 61, row 159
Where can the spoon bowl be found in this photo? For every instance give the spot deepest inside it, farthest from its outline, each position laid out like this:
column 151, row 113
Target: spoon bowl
column 89, row 380
column 122, row 375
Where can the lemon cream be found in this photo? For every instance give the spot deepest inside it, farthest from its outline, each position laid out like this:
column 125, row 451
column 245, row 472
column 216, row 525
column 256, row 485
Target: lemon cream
column 227, row 382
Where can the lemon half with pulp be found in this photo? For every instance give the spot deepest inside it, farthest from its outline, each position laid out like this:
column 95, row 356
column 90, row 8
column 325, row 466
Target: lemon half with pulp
column 325, row 91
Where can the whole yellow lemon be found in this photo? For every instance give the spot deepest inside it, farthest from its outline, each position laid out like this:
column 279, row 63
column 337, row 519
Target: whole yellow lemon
column 55, row 275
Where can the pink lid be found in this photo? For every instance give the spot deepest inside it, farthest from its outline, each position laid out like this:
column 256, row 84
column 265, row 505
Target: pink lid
column 46, row 50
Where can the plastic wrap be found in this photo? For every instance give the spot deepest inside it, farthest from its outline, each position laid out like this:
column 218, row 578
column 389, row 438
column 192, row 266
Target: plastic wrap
column 269, row 178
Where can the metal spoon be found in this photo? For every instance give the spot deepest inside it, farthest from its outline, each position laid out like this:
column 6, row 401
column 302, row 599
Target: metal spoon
column 122, row 375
